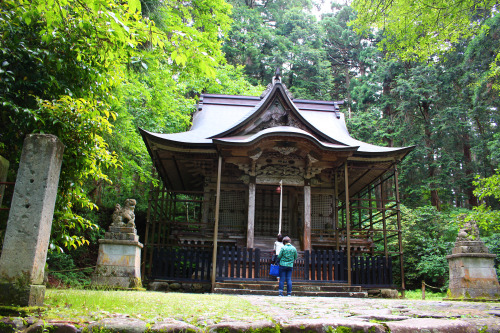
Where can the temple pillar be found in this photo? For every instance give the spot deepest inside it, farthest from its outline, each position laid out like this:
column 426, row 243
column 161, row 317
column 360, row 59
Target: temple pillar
column 216, row 224
column 348, row 222
column 307, row 215
column 251, row 213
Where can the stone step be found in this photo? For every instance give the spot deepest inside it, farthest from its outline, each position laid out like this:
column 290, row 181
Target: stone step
column 295, row 282
column 296, row 286
column 229, row 291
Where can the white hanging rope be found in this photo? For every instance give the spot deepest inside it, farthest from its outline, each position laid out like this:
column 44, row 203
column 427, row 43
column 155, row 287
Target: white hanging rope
column 281, row 205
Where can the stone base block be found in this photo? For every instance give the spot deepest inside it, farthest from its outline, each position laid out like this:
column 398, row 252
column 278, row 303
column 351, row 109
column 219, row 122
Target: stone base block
column 31, row 295
column 486, row 292
column 470, row 247
column 473, row 276
column 117, row 277
column 123, row 282
column 117, row 271
column 389, row 293
column 118, row 264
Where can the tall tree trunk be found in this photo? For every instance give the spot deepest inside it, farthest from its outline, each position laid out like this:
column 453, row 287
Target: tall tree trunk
column 425, row 109
column 348, row 84
column 468, row 170
column 487, row 161
column 386, row 91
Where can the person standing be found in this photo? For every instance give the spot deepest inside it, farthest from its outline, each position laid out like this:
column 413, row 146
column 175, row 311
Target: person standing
column 287, row 256
column 277, row 247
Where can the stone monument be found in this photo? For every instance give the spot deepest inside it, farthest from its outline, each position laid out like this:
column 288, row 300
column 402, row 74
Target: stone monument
column 472, row 271
column 119, row 258
column 30, row 219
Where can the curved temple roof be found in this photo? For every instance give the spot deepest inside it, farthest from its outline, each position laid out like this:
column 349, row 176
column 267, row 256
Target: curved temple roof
column 240, row 123
column 219, row 117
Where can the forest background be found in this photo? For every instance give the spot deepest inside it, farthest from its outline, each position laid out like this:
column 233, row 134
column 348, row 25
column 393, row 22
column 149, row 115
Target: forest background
column 92, row 72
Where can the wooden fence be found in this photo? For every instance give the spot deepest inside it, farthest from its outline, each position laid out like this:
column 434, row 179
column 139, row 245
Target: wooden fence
column 183, row 264
column 234, row 263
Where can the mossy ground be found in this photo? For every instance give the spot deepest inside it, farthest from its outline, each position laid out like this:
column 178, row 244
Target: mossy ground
column 148, row 306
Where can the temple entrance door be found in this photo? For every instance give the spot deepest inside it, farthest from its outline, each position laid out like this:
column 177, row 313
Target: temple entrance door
column 267, row 205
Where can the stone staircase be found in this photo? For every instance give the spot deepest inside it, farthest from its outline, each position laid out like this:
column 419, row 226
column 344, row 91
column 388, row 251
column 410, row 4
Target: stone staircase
column 270, row 288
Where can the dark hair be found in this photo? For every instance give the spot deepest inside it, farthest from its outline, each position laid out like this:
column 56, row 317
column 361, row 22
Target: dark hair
column 286, row 240
column 280, row 238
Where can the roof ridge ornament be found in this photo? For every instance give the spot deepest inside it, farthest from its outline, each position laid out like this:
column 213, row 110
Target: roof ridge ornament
column 277, row 75
column 276, row 79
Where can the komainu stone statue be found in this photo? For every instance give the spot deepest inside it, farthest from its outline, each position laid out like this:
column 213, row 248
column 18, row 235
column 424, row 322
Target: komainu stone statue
column 119, row 259
column 469, row 231
column 124, row 216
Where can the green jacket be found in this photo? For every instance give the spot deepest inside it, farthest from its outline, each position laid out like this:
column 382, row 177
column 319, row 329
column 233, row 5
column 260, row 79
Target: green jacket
column 287, row 255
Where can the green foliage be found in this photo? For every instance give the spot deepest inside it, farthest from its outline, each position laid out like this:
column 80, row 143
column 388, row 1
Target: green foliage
column 280, row 34
column 419, row 30
column 62, row 267
column 428, row 236
column 85, row 157
column 56, row 76
column 344, row 51
column 488, row 190
column 80, row 69
column 493, row 243
column 193, row 33
column 429, row 294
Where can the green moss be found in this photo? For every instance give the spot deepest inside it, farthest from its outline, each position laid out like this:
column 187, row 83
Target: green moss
column 20, row 311
column 339, row 329
column 96, row 329
column 135, row 283
column 483, row 329
column 345, row 329
column 275, row 329
column 6, row 328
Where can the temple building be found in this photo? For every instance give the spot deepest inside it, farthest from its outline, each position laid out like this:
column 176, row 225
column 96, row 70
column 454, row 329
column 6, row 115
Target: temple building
column 251, row 167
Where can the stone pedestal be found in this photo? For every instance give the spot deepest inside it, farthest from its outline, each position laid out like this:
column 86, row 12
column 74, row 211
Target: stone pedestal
column 472, row 272
column 119, row 259
column 30, row 219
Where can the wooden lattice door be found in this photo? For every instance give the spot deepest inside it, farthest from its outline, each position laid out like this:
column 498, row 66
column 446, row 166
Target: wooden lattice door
column 267, row 204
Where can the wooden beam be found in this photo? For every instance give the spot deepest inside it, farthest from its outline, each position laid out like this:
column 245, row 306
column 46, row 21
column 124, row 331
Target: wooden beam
column 348, row 223
column 148, row 226
column 206, row 206
column 251, row 213
column 400, row 236
column 384, row 222
column 216, row 226
column 179, row 173
column 307, row 216
column 336, row 212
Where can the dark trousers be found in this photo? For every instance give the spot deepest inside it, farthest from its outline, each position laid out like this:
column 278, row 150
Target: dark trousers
column 285, row 275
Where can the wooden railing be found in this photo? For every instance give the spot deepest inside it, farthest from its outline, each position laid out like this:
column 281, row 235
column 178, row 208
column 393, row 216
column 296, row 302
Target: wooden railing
column 234, row 263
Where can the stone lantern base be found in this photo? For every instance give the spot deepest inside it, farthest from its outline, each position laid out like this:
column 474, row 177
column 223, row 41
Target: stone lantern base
column 472, row 272
column 119, row 259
